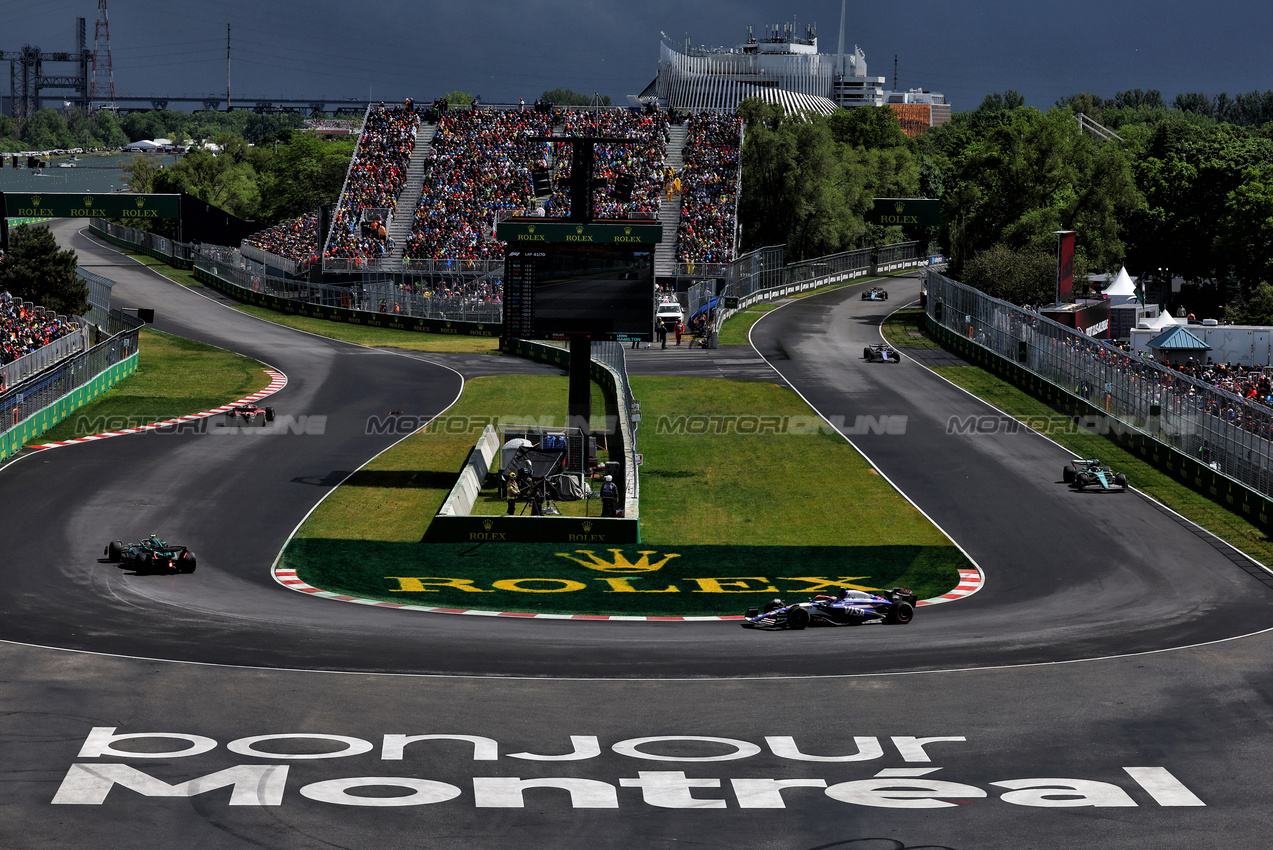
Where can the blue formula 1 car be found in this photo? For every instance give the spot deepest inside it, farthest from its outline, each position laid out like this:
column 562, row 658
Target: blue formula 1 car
column 1090, row 472
column 151, row 555
column 875, row 293
column 848, row 608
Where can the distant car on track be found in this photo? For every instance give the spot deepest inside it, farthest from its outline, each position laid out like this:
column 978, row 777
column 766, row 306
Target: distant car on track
column 848, row 608
column 1090, row 472
column 881, row 351
column 151, row 555
column 875, row 293
column 249, row 414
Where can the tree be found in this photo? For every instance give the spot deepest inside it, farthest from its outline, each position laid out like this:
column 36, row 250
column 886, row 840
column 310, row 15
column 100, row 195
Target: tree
column 1005, row 101
column 305, row 173
column 868, row 127
column 566, row 97
column 458, row 98
column 1022, row 277
column 36, row 270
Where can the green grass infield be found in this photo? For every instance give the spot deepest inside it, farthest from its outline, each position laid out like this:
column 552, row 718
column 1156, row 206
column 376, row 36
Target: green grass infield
column 636, row 580
column 734, row 486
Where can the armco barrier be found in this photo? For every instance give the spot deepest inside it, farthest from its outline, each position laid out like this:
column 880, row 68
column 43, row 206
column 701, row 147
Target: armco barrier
column 464, row 493
column 42, row 420
column 1189, row 471
column 395, row 321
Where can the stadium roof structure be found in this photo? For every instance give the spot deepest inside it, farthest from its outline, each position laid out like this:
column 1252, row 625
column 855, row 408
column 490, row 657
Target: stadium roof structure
column 795, row 103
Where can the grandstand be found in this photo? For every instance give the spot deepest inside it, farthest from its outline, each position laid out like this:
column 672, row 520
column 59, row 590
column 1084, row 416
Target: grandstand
column 474, row 169
column 28, row 339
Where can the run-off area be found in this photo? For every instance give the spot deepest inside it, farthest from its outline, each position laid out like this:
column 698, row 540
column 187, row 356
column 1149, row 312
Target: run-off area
column 91, row 782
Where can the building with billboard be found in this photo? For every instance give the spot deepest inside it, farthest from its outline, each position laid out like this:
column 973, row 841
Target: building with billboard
column 782, row 65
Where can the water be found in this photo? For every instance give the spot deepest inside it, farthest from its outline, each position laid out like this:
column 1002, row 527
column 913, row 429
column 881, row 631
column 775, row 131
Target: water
column 92, row 173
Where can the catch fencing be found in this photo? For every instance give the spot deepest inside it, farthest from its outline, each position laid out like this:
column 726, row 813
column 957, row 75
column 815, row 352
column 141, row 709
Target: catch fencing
column 1217, row 428
column 455, row 300
column 21, row 405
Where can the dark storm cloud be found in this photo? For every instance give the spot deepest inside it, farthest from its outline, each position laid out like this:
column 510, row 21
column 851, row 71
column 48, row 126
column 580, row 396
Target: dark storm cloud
column 503, row 50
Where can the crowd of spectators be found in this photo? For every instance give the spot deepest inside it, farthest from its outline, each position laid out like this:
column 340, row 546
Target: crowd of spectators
column 709, row 188
column 480, row 167
column 454, row 298
column 295, row 240
column 376, row 175
column 642, row 161
column 23, row 329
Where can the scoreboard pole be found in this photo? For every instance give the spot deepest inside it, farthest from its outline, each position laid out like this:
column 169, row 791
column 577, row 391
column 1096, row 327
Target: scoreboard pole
column 579, row 399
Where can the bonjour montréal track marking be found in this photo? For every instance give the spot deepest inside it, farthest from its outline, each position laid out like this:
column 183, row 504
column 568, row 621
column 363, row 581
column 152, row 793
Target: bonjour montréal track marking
column 277, row 381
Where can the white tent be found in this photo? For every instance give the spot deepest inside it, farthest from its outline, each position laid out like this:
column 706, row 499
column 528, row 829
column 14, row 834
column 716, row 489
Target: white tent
column 1164, row 321
column 143, row 145
column 1122, row 285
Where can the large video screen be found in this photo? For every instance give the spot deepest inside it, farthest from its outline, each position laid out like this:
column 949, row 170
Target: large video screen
column 601, row 292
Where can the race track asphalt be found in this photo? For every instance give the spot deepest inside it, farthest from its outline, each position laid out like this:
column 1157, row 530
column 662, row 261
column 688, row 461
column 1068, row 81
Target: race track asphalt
column 227, row 654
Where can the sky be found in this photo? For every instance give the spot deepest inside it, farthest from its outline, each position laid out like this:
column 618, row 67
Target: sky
column 503, row 50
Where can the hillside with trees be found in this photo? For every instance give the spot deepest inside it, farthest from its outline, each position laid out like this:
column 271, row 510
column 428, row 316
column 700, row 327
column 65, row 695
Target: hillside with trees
column 1186, row 192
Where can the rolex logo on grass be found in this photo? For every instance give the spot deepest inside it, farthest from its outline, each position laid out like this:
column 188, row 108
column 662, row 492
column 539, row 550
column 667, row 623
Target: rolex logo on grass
column 619, row 562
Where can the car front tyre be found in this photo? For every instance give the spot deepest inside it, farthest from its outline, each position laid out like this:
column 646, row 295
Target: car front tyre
column 797, row 619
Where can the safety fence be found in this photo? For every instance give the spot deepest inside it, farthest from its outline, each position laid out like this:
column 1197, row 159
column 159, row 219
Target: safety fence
column 32, row 407
column 379, row 302
column 176, row 254
column 762, row 275
column 1224, row 443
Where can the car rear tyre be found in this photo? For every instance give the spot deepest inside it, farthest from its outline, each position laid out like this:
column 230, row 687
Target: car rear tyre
column 186, row 563
column 797, row 618
column 263, row 418
column 269, row 414
column 902, row 613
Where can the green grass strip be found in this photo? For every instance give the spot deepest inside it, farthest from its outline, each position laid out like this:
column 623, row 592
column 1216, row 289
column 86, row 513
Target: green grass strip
column 175, row 377
column 638, row 580
column 1054, row 423
column 376, row 337
column 907, row 328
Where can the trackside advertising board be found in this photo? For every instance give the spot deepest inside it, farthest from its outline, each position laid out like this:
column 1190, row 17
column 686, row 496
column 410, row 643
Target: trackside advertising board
column 88, row 205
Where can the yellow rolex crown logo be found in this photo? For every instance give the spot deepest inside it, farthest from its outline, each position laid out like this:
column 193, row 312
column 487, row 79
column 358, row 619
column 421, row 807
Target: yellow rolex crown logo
column 587, row 525
column 488, row 524
column 140, row 202
column 88, row 201
column 35, row 200
column 578, row 228
column 620, row 563
column 900, row 206
column 530, row 229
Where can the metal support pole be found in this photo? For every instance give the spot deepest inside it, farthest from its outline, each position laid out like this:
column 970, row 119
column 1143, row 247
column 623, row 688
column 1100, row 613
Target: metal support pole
column 579, row 400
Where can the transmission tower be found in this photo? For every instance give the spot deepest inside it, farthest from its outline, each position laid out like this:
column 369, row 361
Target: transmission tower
column 101, row 94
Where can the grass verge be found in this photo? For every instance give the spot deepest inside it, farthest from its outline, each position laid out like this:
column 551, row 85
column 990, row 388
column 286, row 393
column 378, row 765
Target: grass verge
column 1144, row 477
column 174, row 377
column 906, row 329
column 376, row 337
column 186, row 278
column 731, row 504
